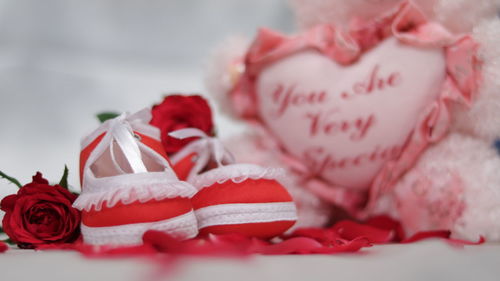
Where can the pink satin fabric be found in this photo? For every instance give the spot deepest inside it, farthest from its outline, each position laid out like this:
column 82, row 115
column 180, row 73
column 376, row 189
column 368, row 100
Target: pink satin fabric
column 406, row 23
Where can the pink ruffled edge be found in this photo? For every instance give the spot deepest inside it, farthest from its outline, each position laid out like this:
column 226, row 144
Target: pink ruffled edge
column 408, row 24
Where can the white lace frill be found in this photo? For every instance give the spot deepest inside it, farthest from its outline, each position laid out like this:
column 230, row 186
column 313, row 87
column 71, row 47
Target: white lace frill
column 129, row 188
column 237, row 173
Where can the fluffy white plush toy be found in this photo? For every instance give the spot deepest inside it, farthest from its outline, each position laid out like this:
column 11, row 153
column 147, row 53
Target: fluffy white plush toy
column 377, row 107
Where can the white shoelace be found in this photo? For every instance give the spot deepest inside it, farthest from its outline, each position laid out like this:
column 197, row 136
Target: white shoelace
column 207, row 148
column 123, row 134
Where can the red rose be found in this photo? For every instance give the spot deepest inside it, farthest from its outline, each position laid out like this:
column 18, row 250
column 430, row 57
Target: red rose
column 178, row 112
column 40, row 214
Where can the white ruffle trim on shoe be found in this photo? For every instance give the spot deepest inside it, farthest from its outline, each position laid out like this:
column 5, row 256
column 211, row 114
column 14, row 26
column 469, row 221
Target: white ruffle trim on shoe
column 129, row 188
column 237, row 173
column 242, row 213
column 182, row 227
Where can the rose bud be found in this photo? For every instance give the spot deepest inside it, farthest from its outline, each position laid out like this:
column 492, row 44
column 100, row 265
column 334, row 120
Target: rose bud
column 40, row 214
column 178, row 112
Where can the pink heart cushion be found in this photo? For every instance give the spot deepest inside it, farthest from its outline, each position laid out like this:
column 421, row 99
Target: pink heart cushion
column 345, row 122
column 354, row 108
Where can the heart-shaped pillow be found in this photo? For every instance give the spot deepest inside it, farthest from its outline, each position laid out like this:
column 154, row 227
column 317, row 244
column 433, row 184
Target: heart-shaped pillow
column 355, row 107
column 346, row 122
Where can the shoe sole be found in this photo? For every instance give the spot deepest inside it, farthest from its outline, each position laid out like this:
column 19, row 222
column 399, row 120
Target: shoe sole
column 182, row 227
column 253, row 219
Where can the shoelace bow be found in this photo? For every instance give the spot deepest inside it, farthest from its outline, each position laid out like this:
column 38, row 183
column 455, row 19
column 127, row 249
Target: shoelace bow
column 128, row 142
column 207, row 148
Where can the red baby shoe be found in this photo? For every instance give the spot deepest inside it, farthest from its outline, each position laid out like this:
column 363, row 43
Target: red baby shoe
column 128, row 185
column 234, row 198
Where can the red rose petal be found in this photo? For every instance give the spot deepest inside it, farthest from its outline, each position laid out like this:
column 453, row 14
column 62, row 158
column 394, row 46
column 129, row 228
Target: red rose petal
column 305, row 245
column 220, row 245
column 387, row 223
column 7, row 228
column 296, row 245
column 460, row 242
column 345, row 231
column 118, row 252
column 38, row 178
column 325, row 236
column 351, row 230
column 233, row 244
column 3, row 247
column 8, row 202
column 343, row 237
column 98, row 252
column 163, row 242
column 442, row 234
column 427, row 235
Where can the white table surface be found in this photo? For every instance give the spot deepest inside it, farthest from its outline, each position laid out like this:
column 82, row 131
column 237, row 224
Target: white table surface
column 427, row 260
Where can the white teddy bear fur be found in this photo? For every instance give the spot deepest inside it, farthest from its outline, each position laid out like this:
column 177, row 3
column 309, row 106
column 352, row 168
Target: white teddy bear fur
column 456, row 15
column 483, row 119
column 467, row 152
column 217, row 78
column 467, row 155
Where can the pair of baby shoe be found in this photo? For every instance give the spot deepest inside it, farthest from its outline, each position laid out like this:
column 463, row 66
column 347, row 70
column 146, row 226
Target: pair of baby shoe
column 129, row 186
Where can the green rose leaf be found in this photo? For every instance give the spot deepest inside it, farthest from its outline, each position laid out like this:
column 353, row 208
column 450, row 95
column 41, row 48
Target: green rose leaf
column 8, row 241
column 64, row 179
column 104, row 116
column 11, row 179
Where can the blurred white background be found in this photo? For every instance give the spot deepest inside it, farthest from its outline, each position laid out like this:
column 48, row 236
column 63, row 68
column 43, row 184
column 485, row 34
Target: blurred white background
column 63, row 61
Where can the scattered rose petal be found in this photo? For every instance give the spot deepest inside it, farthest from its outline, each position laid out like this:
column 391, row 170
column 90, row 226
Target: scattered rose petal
column 3, row 247
column 343, row 237
column 427, row 235
column 325, row 236
column 163, row 242
column 387, row 223
column 351, row 230
column 92, row 251
column 444, row 235
column 305, row 245
column 460, row 243
column 296, row 245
